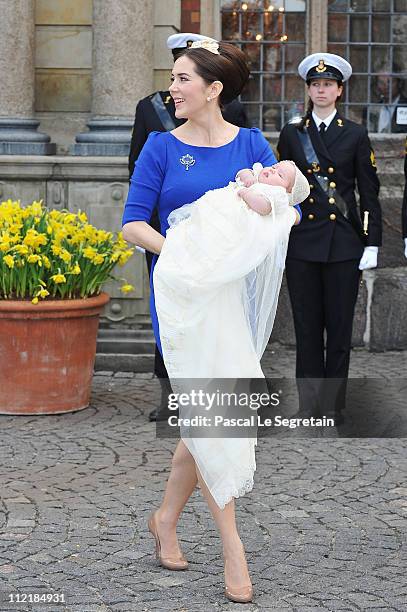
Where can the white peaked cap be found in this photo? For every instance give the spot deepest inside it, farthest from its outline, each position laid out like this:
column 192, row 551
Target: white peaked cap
column 181, row 40
column 324, row 65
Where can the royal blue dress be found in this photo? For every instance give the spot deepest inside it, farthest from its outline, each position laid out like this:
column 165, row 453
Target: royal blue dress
column 170, row 173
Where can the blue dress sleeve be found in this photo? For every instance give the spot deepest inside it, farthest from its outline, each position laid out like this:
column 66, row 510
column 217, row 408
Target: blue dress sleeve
column 261, row 149
column 298, row 208
column 146, row 181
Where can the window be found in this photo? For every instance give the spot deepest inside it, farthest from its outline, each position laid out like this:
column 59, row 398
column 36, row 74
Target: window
column 272, row 35
column 372, row 36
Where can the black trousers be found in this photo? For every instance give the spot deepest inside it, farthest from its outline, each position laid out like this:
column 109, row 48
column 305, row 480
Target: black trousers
column 159, row 367
column 323, row 298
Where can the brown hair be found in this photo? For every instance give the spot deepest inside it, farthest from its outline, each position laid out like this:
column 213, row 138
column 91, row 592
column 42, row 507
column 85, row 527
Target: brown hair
column 229, row 67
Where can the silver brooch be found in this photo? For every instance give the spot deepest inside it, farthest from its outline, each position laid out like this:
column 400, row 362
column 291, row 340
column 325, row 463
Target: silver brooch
column 187, row 161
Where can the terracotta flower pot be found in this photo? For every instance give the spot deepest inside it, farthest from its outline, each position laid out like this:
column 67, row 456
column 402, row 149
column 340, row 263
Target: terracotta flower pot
column 47, row 354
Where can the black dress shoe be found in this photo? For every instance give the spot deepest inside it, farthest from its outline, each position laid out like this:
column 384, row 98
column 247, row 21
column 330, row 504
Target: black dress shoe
column 153, row 415
column 162, row 414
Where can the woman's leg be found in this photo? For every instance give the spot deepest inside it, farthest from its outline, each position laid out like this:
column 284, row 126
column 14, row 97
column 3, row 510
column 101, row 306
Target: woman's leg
column 236, row 572
column 180, row 486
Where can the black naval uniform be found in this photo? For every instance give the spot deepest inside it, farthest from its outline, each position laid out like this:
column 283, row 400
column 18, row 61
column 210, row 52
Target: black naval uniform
column 147, row 120
column 404, row 205
column 324, row 253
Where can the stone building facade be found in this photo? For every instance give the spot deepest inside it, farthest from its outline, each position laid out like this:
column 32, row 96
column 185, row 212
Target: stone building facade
column 75, row 70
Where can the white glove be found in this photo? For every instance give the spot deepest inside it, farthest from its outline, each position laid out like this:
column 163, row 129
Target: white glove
column 405, row 248
column 369, row 258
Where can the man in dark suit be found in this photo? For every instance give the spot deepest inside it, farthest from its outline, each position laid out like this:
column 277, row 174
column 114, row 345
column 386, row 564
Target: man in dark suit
column 390, row 90
column 156, row 112
column 384, row 117
column 334, row 241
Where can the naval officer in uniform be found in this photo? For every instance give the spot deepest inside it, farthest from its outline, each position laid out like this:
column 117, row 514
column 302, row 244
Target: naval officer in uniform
column 335, row 240
column 156, row 113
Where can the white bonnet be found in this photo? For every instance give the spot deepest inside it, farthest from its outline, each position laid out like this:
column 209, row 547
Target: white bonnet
column 301, row 188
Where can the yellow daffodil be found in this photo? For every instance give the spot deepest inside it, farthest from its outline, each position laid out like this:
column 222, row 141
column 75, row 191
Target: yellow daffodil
column 34, row 259
column 89, row 253
column 82, row 217
column 58, row 278
column 21, row 249
column 56, row 250
column 9, row 261
column 66, row 256
column 125, row 256
column 58, row 245
column 126, row 288
column 98, row 259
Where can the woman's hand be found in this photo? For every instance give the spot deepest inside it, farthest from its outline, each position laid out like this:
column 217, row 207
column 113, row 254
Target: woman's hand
column 143, row 235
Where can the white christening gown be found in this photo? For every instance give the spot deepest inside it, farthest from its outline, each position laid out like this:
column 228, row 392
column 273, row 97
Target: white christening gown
column 216, row 285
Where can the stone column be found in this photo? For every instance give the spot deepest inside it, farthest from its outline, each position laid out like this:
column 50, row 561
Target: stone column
column 122, row 74
column 317, row 26
column 18, row 128
column 211, row 19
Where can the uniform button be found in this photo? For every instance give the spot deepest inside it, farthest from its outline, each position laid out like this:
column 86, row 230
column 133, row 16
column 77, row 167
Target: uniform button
column 311, row 186
column 332, row 185
column 331, row 170
column 311, row 200
column 309, row 171
column 332, row 217
column 311, row 217
column 331, row 200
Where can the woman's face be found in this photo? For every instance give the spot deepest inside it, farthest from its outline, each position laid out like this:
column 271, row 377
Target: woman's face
column 188, row 89
column 324, row 92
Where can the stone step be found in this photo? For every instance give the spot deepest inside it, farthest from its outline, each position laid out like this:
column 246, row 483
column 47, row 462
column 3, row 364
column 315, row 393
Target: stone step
column 130, row 346
column 124, row 362
column 128, row 334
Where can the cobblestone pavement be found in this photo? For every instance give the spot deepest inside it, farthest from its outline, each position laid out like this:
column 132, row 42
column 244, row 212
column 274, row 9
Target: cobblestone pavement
column 324, row 527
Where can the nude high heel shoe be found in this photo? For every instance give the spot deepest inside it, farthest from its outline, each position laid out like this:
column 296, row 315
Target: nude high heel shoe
column 242, row 594
column 167, row 562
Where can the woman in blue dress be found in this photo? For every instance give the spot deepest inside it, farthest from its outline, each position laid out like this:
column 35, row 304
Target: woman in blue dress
column 173, row 169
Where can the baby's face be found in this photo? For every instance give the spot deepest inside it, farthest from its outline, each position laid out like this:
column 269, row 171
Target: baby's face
column 281, row 174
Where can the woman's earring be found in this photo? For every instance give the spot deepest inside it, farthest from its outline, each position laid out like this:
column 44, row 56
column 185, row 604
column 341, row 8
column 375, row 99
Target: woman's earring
column 208, row 99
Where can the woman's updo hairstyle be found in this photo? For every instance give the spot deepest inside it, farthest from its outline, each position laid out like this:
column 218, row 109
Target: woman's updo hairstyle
column 229, row 67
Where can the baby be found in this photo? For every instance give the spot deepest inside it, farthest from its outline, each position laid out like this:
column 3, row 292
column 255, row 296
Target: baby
column 255, row 185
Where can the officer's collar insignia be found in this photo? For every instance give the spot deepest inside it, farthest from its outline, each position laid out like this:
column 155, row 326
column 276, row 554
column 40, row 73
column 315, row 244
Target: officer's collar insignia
column 372, row 158
column 307, row 123
column 321, row 66
column 339, row 122
column 187, row 161
column 167, row 100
